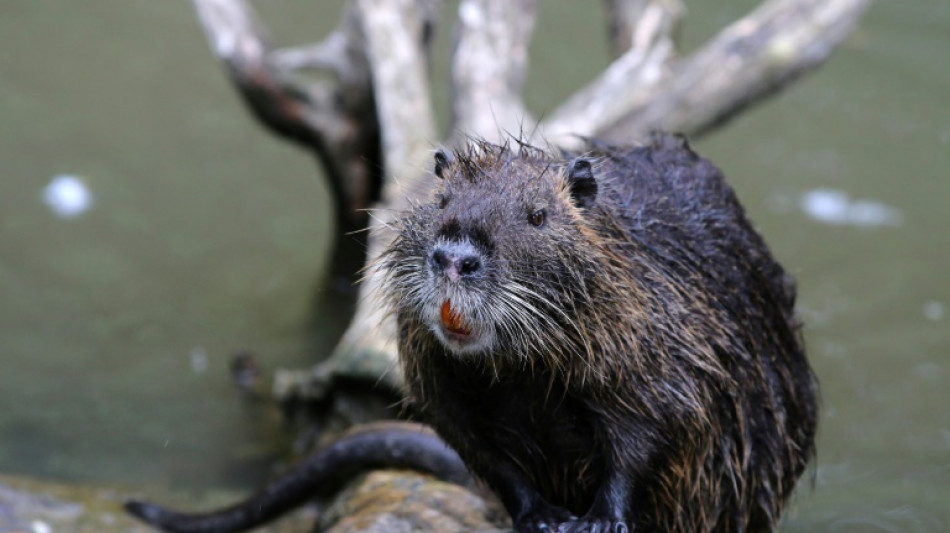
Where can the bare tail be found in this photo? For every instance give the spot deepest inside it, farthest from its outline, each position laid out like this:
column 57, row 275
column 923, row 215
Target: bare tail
column 377, row 445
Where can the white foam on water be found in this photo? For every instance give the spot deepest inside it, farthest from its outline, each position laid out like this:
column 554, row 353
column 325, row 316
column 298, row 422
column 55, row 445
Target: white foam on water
column 67, row 196
column 832, row 206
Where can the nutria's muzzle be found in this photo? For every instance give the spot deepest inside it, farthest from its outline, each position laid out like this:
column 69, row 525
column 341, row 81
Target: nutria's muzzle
column 456, row 261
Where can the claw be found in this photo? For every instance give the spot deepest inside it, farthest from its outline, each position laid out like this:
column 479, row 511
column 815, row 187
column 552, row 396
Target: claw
column 594, row 526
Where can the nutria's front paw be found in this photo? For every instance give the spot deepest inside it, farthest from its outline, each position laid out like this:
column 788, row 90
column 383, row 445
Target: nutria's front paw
column 543, row 518
column 594, row 525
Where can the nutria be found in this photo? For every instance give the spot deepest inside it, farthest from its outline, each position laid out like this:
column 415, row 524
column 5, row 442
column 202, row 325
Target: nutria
column 604, row 339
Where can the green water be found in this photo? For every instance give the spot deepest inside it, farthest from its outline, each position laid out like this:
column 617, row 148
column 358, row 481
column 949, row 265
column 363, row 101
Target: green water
column 206, row 236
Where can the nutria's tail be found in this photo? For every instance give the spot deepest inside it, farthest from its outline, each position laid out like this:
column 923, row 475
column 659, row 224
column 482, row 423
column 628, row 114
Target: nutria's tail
column 377, row 445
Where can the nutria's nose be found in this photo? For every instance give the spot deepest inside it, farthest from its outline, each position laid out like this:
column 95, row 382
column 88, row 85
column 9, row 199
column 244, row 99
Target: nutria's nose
column 455, row 261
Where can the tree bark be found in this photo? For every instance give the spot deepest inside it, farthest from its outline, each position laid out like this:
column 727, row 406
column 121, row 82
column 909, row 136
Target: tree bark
column 648, row 88
column 489, row 67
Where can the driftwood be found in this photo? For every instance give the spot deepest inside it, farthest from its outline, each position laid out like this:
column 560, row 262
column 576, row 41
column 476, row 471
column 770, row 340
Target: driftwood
column 371, row 123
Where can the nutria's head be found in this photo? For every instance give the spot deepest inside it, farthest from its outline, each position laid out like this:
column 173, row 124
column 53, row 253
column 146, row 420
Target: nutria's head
column 498, row 259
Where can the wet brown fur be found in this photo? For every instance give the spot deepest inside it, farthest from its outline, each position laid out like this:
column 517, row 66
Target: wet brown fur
column 648, row 335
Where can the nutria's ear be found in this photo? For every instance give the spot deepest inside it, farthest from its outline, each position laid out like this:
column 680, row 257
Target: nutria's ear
column 581, row 180
column 443, row 160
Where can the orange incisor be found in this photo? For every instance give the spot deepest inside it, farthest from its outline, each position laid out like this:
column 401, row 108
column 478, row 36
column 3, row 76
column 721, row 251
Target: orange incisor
column 452, row 319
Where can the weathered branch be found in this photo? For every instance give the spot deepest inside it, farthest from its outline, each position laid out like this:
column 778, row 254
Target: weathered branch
column 747, row 61
column 649, row 48
column 238, row 38
column 328, row 55
column 336, row 121
column 641, row 24
column 394, row 30
column 488, row 68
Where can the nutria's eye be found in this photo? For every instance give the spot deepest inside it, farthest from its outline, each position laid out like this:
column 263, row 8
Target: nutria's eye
column 443, row 200
column 537, row 218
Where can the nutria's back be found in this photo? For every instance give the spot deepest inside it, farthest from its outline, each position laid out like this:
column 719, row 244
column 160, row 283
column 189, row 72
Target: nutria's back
column 604, row 335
